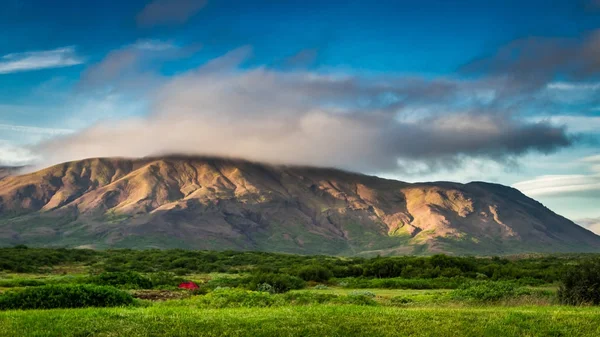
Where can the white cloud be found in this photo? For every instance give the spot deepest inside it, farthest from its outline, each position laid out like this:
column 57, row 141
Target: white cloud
column 308, row 118
column 35, row 130
column 573, row 86
column 561, row 185
column 14, row 155
column 592, row 224
column 35, row 60
column 153, row 45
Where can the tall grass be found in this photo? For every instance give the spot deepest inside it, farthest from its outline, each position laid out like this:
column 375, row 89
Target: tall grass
column 318, row 320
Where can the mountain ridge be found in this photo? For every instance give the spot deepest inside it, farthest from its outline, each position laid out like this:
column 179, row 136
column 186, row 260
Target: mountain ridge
column 224, row 203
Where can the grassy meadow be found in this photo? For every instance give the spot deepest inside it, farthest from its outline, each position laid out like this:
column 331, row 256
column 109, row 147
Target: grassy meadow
column 58, row 292
column 314, row 320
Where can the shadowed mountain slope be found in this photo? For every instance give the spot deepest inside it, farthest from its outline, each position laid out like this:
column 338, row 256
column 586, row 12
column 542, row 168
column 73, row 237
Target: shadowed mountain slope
column 214, row 203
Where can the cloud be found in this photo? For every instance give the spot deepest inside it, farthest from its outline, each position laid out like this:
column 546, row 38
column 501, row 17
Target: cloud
column 153, row 45
column 307, row 118
column 131, row 65
column 302, row 58
column 166, row 12
column 573, row 86
column 583, row 185
column 592, row 224
column 532, row 62
column 575, row 123
column 13, row 155
column 35, row 130
column 35, row 60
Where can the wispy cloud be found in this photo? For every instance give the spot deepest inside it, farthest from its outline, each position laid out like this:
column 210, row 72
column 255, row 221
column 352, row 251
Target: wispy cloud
column 163, row 12
column 35, row 60
column 560, row 185
column 573, row 86
column 535, row 61
column 592, row 224
column 35, row 130
column 153, row 45
column 132, row 64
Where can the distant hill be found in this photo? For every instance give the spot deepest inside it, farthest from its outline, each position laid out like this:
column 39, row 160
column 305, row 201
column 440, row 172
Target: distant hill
column 218, row 204
column 6, row 171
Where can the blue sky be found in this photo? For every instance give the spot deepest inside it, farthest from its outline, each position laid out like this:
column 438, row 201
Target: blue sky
column 503, row 91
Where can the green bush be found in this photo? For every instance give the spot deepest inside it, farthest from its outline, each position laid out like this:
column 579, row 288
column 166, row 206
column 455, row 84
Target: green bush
column 308, row 298
column 125, row 280
column 400, row 300
column 488, row 291
column 581, row 284
column 64, row 296
column 362, row 293
column 21, row 283
column 165, row 280
column 236, row 298
column 315, row 273
column 356, row 299
column 279, row 283
column 231, row 282
column 402, row 283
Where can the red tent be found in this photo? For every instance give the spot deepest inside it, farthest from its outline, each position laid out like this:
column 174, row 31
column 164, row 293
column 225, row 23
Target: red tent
column 188, row 285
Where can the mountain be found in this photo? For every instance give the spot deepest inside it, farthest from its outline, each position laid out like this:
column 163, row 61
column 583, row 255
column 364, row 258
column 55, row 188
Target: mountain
column 217, row 204
column 6, row 171
column 592, row 224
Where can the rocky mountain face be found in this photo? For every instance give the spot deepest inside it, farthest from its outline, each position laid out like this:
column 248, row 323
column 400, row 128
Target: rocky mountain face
column 218, row 204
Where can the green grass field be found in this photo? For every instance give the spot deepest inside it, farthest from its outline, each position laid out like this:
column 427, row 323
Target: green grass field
column 250, row 294
column 318, row 320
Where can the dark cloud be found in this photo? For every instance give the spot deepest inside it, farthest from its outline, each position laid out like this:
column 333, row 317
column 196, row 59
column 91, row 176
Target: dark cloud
column 303, row 58
column 167, row 12
column 533, row 62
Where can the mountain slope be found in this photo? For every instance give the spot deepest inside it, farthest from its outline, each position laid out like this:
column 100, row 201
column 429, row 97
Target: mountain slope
column 212, row 203
column 6, row 171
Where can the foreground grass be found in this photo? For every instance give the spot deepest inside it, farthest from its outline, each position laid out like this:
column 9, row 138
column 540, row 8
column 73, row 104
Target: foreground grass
column 318, row 320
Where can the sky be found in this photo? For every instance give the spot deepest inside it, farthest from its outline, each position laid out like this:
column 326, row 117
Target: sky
column 502, row 91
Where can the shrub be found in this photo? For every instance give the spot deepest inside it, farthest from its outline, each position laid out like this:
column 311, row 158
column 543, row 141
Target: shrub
column 125, row 280
column 315, row 273
column 403, row 283
column 320, row 287
column 21, row 283
column 229, row 282
column 280, row 283
column 581, row 284
column 399, row 300
column 487, row 291
column 235, row 298
column 265, row 287
column 357, row 299
column 64, row 296
column 362, row 293
column 164, row 280
column 308, row 298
